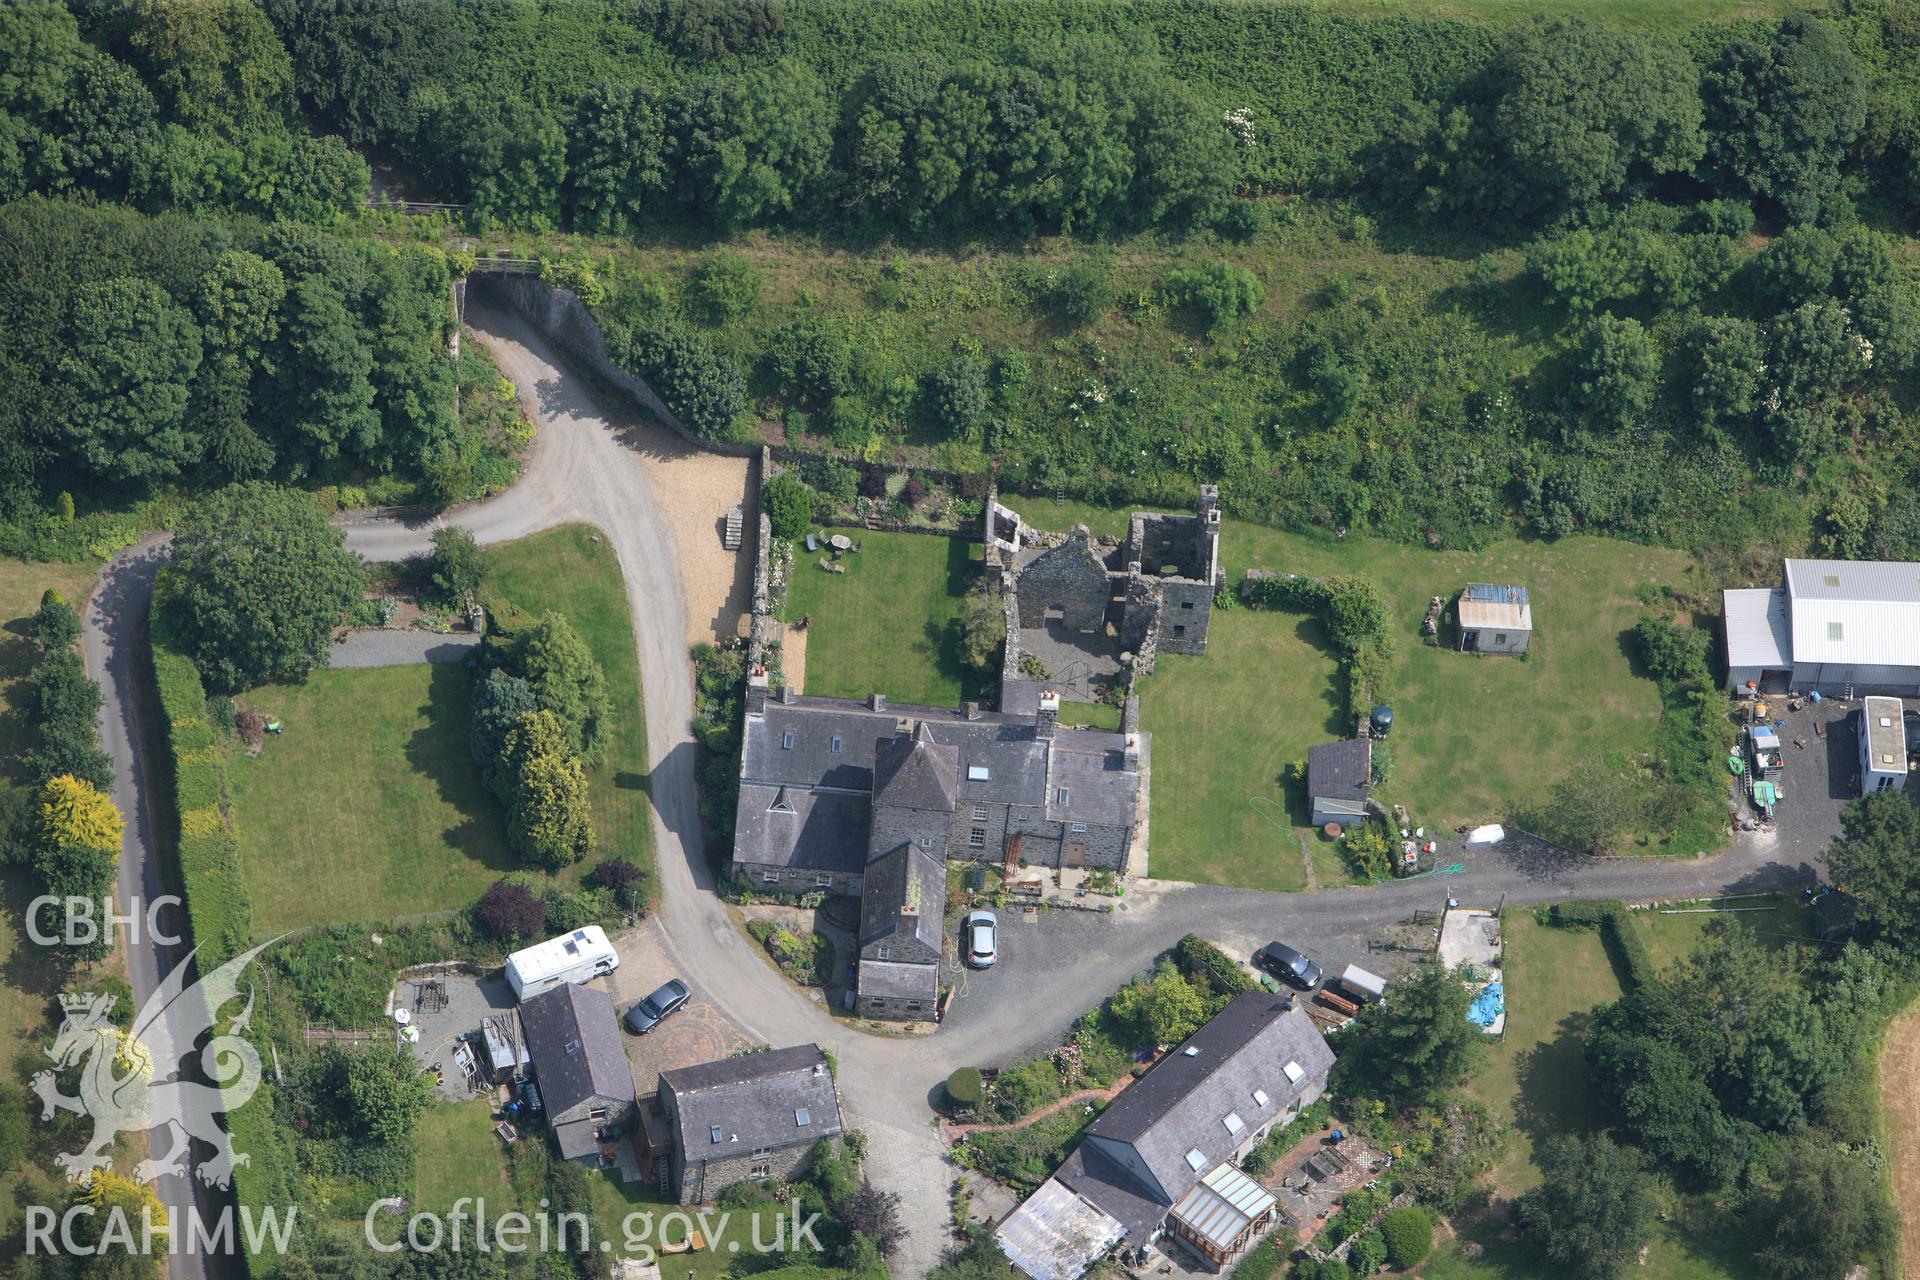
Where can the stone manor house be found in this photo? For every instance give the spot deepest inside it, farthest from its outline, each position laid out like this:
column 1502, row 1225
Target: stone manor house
column 873, row 800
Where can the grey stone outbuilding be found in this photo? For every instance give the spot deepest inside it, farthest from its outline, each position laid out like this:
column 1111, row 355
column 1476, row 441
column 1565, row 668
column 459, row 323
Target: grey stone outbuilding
column 744, row 1119
column 573, row 1038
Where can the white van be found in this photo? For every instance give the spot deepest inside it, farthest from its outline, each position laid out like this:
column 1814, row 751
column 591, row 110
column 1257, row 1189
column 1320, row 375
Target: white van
column 580, row 956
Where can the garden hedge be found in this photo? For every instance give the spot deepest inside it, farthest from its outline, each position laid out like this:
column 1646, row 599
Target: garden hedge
column 1196, row 957
column 1409, row 1235
column 219, row 913
column 1617, row 930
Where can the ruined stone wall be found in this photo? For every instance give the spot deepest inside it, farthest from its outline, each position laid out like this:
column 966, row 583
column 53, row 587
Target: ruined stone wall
column 1069, row 578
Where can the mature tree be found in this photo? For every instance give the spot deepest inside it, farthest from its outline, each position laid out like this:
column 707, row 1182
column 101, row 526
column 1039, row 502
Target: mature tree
column 548, row 821
column 1582, row 108
column 1161, row 1010
column 386, row 1091
column 217, row 63
column 64, row 703
column 1781, row 115
column 1731, row 361
column 109, row 122
column 1876, row 859
column 616, row 157
column 788, row 504
column 983, row 626
column 1814, row 353
column 1595, row 1206
column 1828, row 1214
column 567, row 681
column 323, row 390
column 77, row 813
column 754, row 145
column 456, row 566
column 239, row 305
column 498, row 704
column 76, row 871
column 1616, row 373
column 134, row 355
column 362, row 65
column 1665, row 1098
column 1798, row 266
column 54, row 624
column 875, row 1214
column 1419, row 1045
column 509, row 910
column 724, row 286
column 258, row 581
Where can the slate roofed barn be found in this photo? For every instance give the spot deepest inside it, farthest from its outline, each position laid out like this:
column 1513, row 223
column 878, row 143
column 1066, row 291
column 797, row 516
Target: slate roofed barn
column 1165, row 1156
column 756, row 1116
column 1831, row 626
column 573, row 1036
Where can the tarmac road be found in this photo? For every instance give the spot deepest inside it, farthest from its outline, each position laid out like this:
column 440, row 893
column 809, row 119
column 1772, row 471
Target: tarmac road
column 588, row 467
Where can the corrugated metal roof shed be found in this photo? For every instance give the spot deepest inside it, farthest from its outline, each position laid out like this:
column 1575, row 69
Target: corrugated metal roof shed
column 1487, row 605
column 1056, row 1234
column 1863, row 612
column 1757, row 630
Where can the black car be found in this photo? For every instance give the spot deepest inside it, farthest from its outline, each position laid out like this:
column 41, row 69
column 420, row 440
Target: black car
column 652, row 1011
column 1288, row 965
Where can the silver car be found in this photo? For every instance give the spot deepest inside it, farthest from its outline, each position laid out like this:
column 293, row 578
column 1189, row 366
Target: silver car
column 978, row 939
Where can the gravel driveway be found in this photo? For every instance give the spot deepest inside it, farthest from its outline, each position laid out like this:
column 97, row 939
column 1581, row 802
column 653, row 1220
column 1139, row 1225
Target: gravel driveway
column 400, row 648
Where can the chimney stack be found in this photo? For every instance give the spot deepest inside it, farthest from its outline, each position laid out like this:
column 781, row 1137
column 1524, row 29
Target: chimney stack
column 788, row 694
column 877, row 701
column 1048, row 715
column 757, row 692
column 970, row 710
column 1132, row 753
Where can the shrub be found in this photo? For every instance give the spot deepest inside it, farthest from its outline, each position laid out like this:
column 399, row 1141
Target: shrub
column 1081, row 295
column 1261, row 1262
column 624, row 879
column 960, row 393
column 724, row 286
column 1201, row 960
column 965, row 1088
column 1617, row 929
column 788, row 504
column 1218, row 293
column 1408, row 1232
column 457, row 566
column 873, row 481
column 1368, row 1254
column 509, row 910
column 1242, row 220
column 54, row 625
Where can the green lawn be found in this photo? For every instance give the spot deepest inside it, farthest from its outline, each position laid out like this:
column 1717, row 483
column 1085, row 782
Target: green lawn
column 369, row 807
column 1475, row 737
column 888, row 624
column 574, row 571
column 458, row 1154
column 636, row 1217
column 1534, row 1078
column 1099, row 715
column 1672, row 937
column 1694, row 1245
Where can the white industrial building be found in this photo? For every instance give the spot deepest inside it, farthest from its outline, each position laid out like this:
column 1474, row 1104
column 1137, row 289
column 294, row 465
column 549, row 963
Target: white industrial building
column 1835, row 627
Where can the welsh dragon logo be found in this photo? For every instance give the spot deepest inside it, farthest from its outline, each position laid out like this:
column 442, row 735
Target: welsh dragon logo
column 117, row 1086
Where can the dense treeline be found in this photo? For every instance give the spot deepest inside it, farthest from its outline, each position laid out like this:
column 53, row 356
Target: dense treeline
column 150, row 349
column 166, row 106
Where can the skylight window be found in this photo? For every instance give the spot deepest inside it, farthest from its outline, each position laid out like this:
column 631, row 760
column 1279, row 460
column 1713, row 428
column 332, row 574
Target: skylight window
column 836, row 745
column 1294, row 1072
column 802, row 1117
column 1196, row 1161
column 786, row 740
column 1260, row 1098
column 978, row 773
column 1234, row 1123
column 714, row 1133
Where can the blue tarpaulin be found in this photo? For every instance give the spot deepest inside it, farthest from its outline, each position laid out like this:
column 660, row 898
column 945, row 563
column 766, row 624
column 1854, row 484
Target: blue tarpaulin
column 1487, row 1005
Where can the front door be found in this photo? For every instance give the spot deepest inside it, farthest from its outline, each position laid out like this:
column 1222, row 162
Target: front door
column 1076, row 853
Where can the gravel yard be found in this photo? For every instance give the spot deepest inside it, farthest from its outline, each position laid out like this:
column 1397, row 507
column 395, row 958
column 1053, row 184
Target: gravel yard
column 697, row 488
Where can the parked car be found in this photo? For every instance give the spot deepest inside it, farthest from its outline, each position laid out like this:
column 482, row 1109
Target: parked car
column 652, row 1011
column 978, row 934
column 1288, row 965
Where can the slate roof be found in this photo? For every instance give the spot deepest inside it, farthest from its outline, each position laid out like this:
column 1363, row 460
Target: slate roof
column 574, row 1037
column 904, row 895
column 899, row 980
column 1182, row 1104
column 792, row 826
column 1339, row 768
column 754, row 1101
column 1090, row 766
column 916, row 772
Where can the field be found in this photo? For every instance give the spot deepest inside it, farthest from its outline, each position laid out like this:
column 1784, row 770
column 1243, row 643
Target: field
column 368, row 806
column 371, row 794
column 1226, row 724
column 889, row 623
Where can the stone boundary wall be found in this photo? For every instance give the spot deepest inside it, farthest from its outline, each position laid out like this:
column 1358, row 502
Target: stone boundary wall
column 761, row 624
